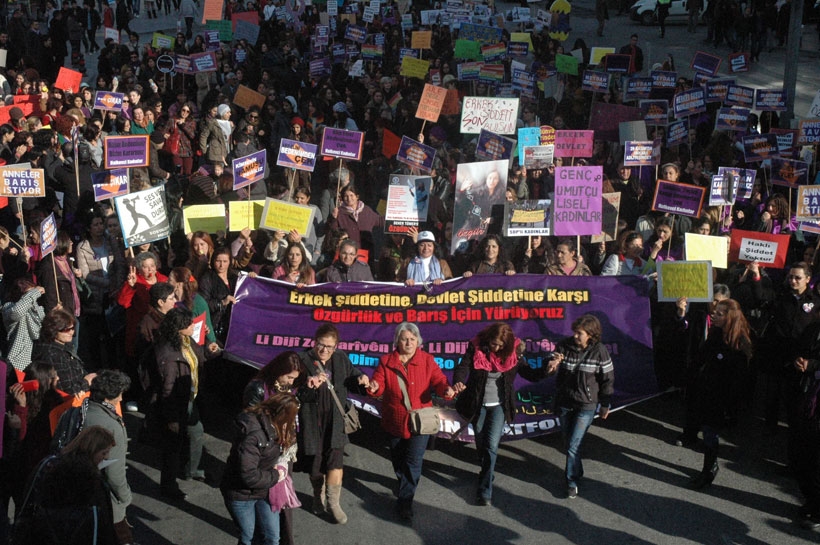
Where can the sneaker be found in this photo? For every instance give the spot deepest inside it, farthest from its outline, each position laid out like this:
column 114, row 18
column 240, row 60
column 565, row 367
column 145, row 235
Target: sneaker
column 684, row 440
column 572, row 492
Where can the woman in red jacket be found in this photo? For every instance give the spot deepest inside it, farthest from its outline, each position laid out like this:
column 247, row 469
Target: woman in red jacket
column 420, row 374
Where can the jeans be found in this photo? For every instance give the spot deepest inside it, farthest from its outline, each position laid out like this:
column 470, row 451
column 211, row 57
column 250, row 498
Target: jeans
column 574, row 424
column 246, row 514
column 407, row 456
column 488, row 429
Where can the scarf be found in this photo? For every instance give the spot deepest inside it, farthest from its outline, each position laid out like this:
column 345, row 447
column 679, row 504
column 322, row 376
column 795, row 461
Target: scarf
column 65, row 269
column 415, row 270
column 354, row 213
column 489, row 361
column 190, row 357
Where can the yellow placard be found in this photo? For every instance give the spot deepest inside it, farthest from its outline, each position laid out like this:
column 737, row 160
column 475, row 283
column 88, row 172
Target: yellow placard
column 421, row 39
column 285, row 216
column 414, row 68
column 522, row 37
column 707, row 248
column 528, row 216
column 204, row 217
column 598, row 53
column 242, row 214
column 690, row 279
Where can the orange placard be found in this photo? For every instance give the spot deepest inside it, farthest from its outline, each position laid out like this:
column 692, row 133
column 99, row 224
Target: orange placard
column 450, row 106
column 432, row 99
column 422, row 39
column 68, row 80
column 212, row 11
column 246, row 97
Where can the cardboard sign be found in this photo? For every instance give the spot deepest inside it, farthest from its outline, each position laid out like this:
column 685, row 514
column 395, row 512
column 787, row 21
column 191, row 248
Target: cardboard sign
column 285, row 216
column 538, row 157
column 528, row 218
column 415, row 154
column 245, row 97
column 432, row 99
column 249, row 169
column 108, row 100
column 125, row 151
column 204, row 217
column 759, row 147
column 298, row 155
column 342, row 143
column 732, row 119
column 244, row 214
column 162, row 41
column 22, row 182
column 68, row 80
column 808, row 203
column 574, row 143
column 199, row 323
column 706, row 63
column 528, row 136
column 676, row 198
column 808, row 131
column 610, row 208
column 112, row 34
column 204, row 62
column 212, row 11
column 498, row 115
column 48, row 235
column 597, row 54
column 408, row 201
column 414, row 68
column 707, row 248
column 421, row 39
column 770, row 100
column 479, row 198
column 143, row 217
column 566, row 64
column 690, row 102
column 738, row 62
column 577, row 202
column 223, row 28
column 768, row 250
column 637, row 154
column 491, row 146
column 789, row 173
column 109, row 183
column 245, row 30
column 690, row 279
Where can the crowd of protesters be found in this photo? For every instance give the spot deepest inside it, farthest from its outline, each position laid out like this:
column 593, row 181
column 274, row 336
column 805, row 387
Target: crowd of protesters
column 94, row 320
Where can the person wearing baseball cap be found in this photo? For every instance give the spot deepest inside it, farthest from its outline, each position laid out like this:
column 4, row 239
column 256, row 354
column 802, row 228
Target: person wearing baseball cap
column 425, row 269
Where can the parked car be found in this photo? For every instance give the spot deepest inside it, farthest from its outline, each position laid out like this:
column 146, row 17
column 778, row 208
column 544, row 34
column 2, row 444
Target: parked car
column 643, row 11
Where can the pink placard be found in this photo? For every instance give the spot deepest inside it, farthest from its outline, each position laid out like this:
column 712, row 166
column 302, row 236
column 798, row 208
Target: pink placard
column 574, row 143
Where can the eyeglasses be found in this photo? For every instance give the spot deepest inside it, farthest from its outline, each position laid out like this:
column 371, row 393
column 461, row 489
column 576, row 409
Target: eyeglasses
column 328, row 347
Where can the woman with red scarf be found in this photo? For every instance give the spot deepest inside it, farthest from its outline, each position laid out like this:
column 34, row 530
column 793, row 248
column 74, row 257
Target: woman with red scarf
column 484, row 381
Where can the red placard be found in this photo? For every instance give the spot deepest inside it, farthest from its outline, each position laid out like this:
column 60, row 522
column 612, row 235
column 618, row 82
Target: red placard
column 768, row 250
column 68, row 80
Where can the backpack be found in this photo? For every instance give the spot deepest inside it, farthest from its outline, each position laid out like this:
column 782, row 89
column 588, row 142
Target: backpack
column 69, row 426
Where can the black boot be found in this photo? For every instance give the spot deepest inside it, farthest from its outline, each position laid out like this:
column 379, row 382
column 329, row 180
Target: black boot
column 709, row 471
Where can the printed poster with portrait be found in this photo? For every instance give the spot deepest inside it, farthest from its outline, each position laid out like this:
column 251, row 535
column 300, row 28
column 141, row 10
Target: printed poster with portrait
column 479, row 201
column 408, row 201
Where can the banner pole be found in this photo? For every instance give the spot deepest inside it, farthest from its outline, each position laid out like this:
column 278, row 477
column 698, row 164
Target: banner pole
column 22, row 220
column 57, row 286
column 250, row 209
column 339, row 183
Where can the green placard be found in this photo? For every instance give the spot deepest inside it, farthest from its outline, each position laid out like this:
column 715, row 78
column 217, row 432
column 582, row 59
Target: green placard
column 225, row 29
column 465, row 49
column 566, row 64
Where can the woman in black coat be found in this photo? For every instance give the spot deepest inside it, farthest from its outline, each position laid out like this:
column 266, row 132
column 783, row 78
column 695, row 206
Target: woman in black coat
column 484, row 381
column 263, row 447
column 217, row 287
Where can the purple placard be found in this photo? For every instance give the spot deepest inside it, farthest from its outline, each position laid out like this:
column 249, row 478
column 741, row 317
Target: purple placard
column 677, row 133
column 342, row 143
column 639, row 154
column 716, row 90
column 789, row 173
column 356, row 33
column 655, row 112
column 48, row 235
column 249, row 169
column 523, row 82
column 183, row 65
column 596, row 82
column 737, row 95
column 322, row 35
column 204, row 62
column 759, row 147
column 415, row 154
column 732, row 119
column 617, row 63
column 271, row 317
column 742, row 178
column 770, row 100
column 706, row 63
column 107, row 100
column 320, row 68
column 690, row 102
column 125, row 151
column 662, row 79
column 407, row 52
column 298, row 155
column 638, row 88
column 493, row 147
column 675, row 198
column 577, row 203
column 109, row 184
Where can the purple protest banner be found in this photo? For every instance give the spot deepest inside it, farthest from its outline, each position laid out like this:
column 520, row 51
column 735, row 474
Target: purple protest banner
column 356, row 34
column 342, row 143
column 596, row 82
column 741, row 178
column 249, row 169
column 298, row 155
column 675, row 198
column 574, row 143
column 491, row 146
column 677, row 133
column 716, row 90
column 759, row 147
column 732, row 119
column 638, row 88
column 106, row 100
column 638, row 154
column 320, row 68
column 655, row 112
column 663, row 79
column 738, row 95
column 577, row 204
column 415, row 154
column 109, row 184
column 690, row 102
column 125, row 151
column 706, row 63
column 270, row 317
column 789, row 173
column 770, row 100
column 48, row 235
column 183, row 65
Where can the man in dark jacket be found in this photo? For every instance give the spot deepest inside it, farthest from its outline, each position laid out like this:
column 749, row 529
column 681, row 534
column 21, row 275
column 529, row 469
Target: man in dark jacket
column 348, row 268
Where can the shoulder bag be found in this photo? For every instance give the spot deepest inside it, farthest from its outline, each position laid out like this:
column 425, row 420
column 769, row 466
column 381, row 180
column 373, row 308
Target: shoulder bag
column 424, row 421
column 350, row 416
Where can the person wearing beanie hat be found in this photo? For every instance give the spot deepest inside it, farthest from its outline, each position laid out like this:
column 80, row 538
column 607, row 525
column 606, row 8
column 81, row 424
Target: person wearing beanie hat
column 212, row 142
column 292, row 101
column 425, row 269
column 155, row 172
column 16, row 116
column 222, row 109
column 298, row 121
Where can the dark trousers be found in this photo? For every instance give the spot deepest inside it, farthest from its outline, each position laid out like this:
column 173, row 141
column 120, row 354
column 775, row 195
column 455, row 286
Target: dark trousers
column 407, row 456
